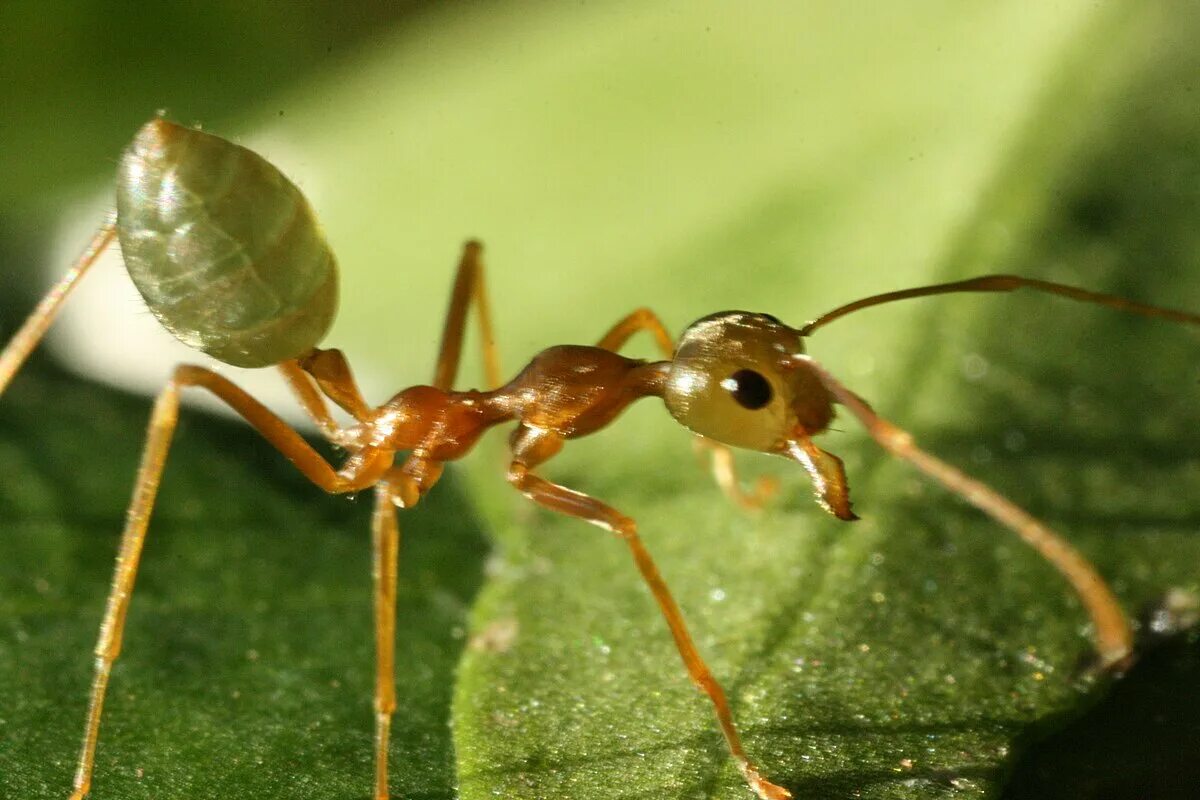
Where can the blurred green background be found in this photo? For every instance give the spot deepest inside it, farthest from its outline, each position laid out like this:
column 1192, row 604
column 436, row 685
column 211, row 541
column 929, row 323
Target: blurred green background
column 783, row 157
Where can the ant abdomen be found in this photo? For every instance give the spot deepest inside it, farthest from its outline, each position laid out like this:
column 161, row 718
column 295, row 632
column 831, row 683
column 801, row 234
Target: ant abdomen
column 223, row 247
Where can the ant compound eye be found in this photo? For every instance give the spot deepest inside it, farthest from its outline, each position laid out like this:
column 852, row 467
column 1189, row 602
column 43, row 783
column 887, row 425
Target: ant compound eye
column 749, row 388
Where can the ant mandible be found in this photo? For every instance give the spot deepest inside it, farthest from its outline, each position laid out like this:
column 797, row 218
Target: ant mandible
column 227, row 253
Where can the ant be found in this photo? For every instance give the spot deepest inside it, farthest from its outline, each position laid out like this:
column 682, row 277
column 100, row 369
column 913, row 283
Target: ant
column 228, row 255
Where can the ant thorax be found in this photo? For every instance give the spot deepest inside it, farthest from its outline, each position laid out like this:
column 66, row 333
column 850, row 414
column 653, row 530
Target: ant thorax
column 436, row 424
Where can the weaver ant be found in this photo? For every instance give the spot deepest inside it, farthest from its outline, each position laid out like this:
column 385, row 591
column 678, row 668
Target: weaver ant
column 227, row 253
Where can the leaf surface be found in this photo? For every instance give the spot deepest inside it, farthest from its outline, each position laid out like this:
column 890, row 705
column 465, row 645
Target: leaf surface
column 650, row 155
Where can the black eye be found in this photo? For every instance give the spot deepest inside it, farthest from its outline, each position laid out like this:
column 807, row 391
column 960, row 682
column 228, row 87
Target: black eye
column 750, row 389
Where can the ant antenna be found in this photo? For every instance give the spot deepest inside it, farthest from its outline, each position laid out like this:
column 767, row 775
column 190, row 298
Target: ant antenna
column 1004, row 283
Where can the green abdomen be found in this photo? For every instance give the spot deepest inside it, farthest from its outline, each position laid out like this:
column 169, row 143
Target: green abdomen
column 223, row 247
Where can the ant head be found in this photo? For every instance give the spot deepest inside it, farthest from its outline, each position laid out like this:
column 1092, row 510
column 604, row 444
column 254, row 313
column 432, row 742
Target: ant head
column 734, row 379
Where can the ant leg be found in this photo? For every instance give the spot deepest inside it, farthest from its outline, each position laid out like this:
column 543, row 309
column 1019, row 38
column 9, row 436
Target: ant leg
column 361, row 471
column 722, row 464
column 724, row 470
column 331, row 373
column 385, row 546
column 403, row 487
column 642, row 319
column 1006, row 283
column 34, row 328
column 1114, row 639
column 330, row 369
column 468, row 285
column 533, row 447
column 310, row 400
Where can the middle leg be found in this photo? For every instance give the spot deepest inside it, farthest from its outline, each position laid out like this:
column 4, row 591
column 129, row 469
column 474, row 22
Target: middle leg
column 385, row 548
column 402, row 487
column 468, row 286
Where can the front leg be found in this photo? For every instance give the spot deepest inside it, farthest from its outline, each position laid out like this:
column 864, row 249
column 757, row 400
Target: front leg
column 533, row 446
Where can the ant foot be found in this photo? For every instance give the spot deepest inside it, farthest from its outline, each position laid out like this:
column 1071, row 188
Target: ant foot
column 763, row 787
column 1101, row 666
column 765, row 488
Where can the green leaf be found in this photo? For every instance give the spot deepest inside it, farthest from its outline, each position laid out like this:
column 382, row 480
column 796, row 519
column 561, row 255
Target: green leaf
column 779, row 159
